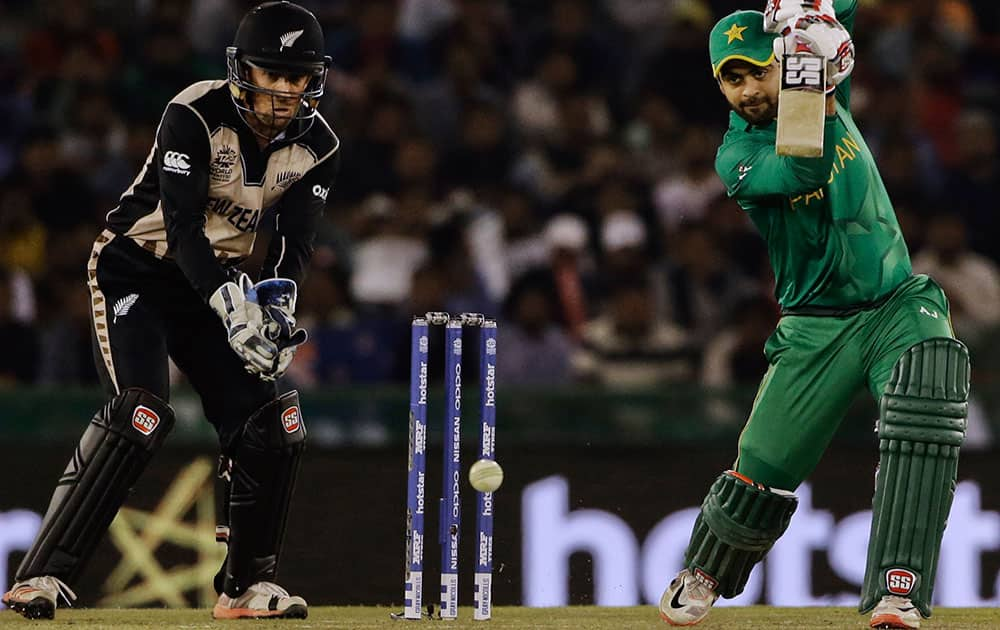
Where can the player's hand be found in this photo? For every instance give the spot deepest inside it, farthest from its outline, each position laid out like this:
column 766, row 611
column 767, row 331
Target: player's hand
column 277, row 298
column 778, row 13
column 244, row 322
column 280, row 328
column 821, row 35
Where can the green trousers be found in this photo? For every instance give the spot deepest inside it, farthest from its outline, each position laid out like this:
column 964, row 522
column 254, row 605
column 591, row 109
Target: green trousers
column 817, row 366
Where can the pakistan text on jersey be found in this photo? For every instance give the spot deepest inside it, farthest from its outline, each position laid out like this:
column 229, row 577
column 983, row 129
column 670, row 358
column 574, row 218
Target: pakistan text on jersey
column 243, row 219
column 847, row 150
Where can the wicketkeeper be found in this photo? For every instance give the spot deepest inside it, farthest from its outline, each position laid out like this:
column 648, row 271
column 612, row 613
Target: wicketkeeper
column 164, row 283
column 853, row 316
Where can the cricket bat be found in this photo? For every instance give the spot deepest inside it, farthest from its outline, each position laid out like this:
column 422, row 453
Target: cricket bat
column 801, row 106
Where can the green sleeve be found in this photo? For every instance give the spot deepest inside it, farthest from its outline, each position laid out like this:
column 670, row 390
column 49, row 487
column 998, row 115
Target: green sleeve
column 845, row 10
column 752, row 170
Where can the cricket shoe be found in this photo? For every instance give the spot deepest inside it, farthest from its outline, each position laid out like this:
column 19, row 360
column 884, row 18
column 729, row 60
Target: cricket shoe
column 37, row 597
column 262, row 600
column 687, row 600
column 895, row 612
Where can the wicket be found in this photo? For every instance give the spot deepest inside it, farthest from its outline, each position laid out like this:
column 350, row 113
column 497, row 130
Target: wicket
column 450, row 502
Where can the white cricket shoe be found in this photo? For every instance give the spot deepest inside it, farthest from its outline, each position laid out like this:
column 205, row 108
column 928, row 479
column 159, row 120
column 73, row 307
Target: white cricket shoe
column 263, row 599
column 895, row 612
column 37, row 597
column 686, row 601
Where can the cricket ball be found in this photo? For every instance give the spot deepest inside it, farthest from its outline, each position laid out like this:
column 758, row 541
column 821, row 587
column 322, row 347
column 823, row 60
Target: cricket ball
column 486, row 475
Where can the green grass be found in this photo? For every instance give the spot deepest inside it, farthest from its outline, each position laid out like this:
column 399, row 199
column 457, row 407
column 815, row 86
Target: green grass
column 575, row 618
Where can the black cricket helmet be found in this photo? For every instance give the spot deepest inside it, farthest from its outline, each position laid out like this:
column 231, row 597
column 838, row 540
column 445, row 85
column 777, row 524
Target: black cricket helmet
column 280, row 37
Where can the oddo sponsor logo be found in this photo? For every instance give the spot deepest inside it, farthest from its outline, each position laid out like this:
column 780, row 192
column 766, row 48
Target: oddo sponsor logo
column 628, row 571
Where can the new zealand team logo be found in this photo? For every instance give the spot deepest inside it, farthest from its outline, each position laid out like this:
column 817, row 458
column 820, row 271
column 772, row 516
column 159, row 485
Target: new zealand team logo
column 285, row 179
column 145, row 420
column 290, row 419
column 221, row 168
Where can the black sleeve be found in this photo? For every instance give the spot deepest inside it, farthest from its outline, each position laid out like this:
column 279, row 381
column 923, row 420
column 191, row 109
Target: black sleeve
column 182, row 156
column 298, row 214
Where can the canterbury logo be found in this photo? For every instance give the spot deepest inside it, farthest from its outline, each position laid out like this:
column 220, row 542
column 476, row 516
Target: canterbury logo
column 123, row 306
column 288, row 39
column 174, row 162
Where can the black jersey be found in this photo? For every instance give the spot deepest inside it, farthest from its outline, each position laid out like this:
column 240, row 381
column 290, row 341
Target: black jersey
column 199, row 198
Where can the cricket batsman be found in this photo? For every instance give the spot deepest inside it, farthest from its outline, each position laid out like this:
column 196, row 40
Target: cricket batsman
column 164, row 283
column 853, row 316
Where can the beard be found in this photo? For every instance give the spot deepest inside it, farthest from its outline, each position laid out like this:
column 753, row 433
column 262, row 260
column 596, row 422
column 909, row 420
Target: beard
column 759, row 112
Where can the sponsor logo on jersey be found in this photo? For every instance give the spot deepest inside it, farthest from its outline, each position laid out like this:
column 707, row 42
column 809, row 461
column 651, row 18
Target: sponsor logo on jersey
column 220, row 170
column 290, row 419
column 145, row 420
column 285, row 179
column 320, row 192
column 175, row 162
column 900, row 581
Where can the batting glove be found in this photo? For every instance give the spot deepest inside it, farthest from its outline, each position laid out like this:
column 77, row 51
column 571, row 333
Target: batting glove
column 244, row 322
column 821, row 35
column 778, row 13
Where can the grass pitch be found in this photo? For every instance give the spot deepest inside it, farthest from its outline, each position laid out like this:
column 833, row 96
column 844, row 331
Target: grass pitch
column 575, row 618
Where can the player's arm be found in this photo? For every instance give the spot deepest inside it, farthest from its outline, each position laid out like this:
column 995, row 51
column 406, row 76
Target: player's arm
column 753, row 171
column 183, row 153
column 298, row 215
column 846, row 10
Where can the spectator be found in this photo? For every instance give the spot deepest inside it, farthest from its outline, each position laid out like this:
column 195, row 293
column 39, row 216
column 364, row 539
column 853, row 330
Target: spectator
column 735, row 354
column 536, row 350
column 66, row 356
column 389, row 249
column 704, row 286
column 19, row 359
column 629, row 346
column 973, row 179
column 686, row 194
column 572, row 270
column 971, row 281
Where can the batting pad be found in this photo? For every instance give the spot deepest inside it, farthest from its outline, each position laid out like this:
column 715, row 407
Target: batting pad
column 922, row 420
column 112, row 453
column 265, row 463
column 739, row 522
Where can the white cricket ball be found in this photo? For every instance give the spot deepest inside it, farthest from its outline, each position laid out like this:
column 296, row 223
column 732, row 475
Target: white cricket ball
column 486, row 475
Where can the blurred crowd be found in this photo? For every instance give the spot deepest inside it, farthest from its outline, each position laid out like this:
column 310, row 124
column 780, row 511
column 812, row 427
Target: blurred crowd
column 550, row 163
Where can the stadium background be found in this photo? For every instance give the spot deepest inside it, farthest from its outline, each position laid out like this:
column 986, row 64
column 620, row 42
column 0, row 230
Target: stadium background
column 547, row 162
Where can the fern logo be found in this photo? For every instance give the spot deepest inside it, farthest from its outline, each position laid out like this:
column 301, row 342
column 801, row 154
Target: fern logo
column 123, row 306
column 288, row 39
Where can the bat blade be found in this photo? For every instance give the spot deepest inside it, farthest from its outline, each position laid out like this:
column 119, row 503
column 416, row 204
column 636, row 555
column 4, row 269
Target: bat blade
column 801, row 106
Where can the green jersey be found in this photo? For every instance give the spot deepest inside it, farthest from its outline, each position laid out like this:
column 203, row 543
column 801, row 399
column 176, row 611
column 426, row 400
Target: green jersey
column 831, row 232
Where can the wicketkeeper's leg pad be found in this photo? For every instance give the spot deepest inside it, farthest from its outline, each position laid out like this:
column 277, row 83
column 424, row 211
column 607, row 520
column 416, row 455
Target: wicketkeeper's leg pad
column 922, row 422
column 739, row 522
column 112, row 453
column 264, row 465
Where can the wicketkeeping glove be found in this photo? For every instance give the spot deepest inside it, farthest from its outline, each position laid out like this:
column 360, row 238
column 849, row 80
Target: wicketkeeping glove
column 277, row 298
column 244, row 322
column 821, row 35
